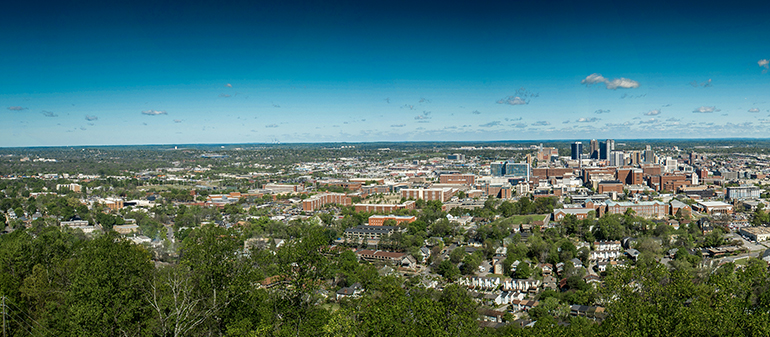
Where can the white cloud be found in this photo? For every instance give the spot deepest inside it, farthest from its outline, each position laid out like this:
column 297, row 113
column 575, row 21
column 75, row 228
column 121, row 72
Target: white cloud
column 652, row 112
column 154, row 112
column 49, row 114
column 541, row 123
column 228, row 85
column 672, row 119
column 421, row 117
column 764, row 63
column 705, row 110
column 91, row 118
column 513, row 100
column 615, row 83
column 649, row 121
column 519, row 125
column 177, row 121
column 623, row 83
column 587, row 120
column 491, row 124
column 16, row 108
column 593, row 79
column 753, row 110
column 600, row 111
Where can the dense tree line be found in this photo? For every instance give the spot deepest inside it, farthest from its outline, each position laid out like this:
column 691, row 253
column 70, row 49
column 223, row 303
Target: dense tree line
column 60, row 283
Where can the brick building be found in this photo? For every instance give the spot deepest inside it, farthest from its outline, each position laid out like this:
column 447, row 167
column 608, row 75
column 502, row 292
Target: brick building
column 379, row 220
column 440, row 194
column 459, row 179
column 647, row 209
column 318, row 201
column 384, row 208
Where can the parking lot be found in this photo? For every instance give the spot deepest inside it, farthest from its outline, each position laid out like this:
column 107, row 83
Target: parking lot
column 760, row 246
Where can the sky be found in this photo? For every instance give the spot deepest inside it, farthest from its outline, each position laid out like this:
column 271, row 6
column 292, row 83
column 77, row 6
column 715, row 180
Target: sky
column 168, row 72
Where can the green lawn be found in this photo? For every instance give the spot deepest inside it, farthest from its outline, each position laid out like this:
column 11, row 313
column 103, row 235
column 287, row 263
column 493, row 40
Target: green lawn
column 525, row 219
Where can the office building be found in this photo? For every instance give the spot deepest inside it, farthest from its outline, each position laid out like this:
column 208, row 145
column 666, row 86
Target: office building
column 594, row 154
column 617, row 158
column 517, row 170
column 497, row 169
column 577, row 150
column 606, row 148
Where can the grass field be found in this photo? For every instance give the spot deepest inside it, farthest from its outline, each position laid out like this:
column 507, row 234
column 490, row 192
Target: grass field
column 525, row 219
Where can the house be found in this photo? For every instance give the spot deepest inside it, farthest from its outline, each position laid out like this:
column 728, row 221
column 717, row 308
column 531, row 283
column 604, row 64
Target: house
column 353, row 291
column 522, row 305
column 592, row 279
column 587, row 311
column 425, row 252
column 504, row 297
column 549, row 282
column 492, row 315
column 633, row 253
column 408, row 261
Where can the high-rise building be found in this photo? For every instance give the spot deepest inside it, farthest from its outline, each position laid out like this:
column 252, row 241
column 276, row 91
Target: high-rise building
column 545, row 153
column 649, row 156
column 594, row 149
column 577, row 150
column 617, row 158
column 606, row 148
column 497, row 169
column 671, row 164
column 517, row 170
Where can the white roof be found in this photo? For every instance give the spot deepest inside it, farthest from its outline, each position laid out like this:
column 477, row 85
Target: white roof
column 713, row 203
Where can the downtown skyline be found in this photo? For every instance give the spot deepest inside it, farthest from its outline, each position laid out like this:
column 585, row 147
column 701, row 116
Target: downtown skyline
column 173, row 73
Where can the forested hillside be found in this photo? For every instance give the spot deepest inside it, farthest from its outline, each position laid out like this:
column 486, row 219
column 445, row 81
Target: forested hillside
column 60, row 283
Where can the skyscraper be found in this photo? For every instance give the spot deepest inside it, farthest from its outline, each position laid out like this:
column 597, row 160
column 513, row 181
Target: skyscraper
column 649, row 155
column 577, row 150
column 497, row 169
column 617, row 158
column 594, row 149
column 517, row 170
column 605, row 148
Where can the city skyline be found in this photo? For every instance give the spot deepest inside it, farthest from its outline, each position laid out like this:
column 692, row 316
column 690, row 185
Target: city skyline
column 145, row 73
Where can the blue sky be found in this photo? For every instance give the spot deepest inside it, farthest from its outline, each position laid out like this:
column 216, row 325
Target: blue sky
column 98, row 73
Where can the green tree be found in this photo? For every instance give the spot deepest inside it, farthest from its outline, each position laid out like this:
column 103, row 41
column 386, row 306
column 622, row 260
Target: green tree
column 105, row 297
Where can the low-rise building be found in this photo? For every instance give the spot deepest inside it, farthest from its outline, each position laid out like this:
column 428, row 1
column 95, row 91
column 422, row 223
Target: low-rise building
column 714, row 207
column 385, row 208
column 756, row 233
column 125, row 229
column 378, row 255
column 359, row 233
column 647, row 209
column 318, row 201
column 379, row 220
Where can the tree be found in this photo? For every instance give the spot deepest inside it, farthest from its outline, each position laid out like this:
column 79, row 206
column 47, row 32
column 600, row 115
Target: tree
column 457, row 255
column 523, row 271
column 448, row 270
column 470, row 264
column 105, row 297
